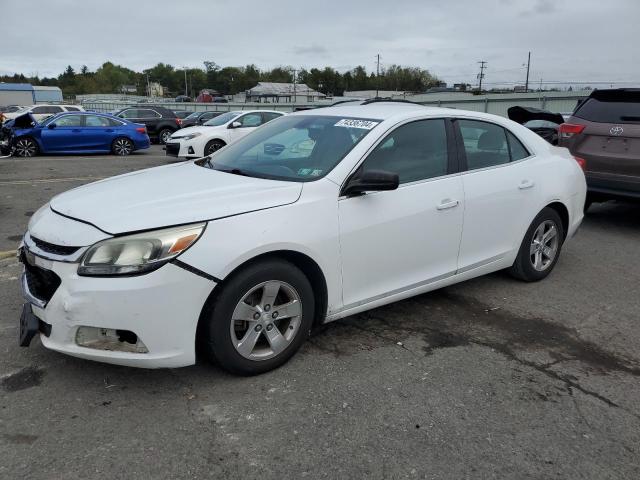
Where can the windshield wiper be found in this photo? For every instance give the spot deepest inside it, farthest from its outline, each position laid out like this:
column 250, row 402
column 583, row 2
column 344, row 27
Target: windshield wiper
column 234, row 171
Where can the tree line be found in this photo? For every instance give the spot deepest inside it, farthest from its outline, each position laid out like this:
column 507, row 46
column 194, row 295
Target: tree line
column 110, row 78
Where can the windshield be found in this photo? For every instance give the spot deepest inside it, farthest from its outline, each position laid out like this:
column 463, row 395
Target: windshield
column 221, row 119
column 295, row 148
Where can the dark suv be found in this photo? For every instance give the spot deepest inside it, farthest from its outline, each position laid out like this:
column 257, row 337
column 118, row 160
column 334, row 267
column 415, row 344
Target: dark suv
column 604, row 131
column 198, row 118
column 160, row 122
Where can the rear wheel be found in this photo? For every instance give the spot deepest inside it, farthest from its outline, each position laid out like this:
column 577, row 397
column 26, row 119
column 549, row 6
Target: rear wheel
column 540, row 247
column 213, row 146
column 122, row 147
column 26, row 147
column 260, row 318
column 164, row 135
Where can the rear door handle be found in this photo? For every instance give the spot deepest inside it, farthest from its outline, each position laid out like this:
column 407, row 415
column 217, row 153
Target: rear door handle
column 76, row 130
column 447, row 203
column 524, row 184
column 109, row 130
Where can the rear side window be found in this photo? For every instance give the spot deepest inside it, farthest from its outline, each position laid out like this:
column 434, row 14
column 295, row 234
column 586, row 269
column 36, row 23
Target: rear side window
column 72, row 109
column 267, row 116
column 146, row 113
column 517, row 150
column 97, row 121
column 609, row 111
column 485, row 144
column 415, row 151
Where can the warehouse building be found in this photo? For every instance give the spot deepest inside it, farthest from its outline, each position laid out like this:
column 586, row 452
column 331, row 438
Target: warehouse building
column 27, row 94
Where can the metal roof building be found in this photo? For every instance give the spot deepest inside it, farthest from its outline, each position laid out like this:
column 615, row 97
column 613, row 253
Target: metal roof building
column 27, row 94
column 272, row 92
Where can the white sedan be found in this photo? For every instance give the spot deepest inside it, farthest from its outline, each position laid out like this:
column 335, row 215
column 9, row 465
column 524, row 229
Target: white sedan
column 316, row 216
column 196, row 142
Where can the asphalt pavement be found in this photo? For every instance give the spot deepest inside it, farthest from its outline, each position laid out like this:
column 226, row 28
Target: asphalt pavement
column 491, row 378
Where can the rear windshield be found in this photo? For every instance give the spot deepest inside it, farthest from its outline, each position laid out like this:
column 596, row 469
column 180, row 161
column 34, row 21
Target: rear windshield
column 609, row 110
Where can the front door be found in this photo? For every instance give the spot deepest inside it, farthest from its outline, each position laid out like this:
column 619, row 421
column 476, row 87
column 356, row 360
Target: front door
column 63, row 134
column 402, row 239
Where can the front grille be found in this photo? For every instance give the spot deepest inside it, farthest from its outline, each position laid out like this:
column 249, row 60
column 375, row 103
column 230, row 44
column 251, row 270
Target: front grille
column 172, row 149
column 42, row 283
column 54, row 249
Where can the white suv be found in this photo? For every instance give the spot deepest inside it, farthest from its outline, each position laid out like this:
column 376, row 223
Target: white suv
column 313, row 217
column 42, row 111
column 225, row 129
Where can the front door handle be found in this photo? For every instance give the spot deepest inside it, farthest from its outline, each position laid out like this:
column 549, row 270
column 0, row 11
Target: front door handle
column 524, row 184
column 75, row 130
column 447, row 203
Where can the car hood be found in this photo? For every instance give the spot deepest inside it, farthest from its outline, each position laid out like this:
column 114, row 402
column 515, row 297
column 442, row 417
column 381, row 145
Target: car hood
column 198, row 128
column 25, row 120
column 523, row 115
column 170, row 195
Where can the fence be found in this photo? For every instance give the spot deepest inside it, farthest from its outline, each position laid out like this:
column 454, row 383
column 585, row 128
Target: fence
column 498, row 104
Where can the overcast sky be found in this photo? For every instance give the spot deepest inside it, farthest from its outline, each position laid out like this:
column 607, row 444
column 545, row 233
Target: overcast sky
column 571, row 41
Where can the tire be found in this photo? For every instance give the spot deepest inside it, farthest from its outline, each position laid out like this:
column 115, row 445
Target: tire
column 122, row 147
column 261, row 338
column 26, row 147
column 533, row 262
column 163, row 135
column 213, row 146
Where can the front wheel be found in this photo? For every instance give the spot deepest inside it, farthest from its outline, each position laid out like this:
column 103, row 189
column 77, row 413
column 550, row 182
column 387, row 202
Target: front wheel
column 25, row 147
column 260, row 318
column 540, row 247
column 213, row 146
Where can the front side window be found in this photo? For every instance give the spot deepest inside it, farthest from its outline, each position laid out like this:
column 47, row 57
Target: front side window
column 295, row 148
column 69, row 121
column 40, row 110
column 250, row 120
column 72, row 109
column 485, row 144
column 129, row 113
column 415, row 151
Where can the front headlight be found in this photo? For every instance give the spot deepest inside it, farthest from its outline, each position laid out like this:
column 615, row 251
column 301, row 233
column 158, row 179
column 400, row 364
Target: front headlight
column 191, row 136
column 138, row 253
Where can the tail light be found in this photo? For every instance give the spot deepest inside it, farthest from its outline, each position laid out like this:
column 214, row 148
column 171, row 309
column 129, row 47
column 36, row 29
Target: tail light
column 178, row 121
column 568, row 130
column 582, row 162
column 141, row 129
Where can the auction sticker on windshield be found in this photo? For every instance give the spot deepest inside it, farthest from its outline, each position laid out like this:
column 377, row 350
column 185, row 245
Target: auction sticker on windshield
column 353, row 123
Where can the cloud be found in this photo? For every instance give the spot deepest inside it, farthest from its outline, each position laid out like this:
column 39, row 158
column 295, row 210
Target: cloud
column 317, row 50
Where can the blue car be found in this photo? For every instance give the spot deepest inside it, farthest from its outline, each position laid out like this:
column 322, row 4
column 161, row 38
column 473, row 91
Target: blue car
column 77, row 132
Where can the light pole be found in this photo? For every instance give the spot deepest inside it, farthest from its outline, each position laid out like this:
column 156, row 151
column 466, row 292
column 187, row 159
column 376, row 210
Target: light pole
column 186, row 92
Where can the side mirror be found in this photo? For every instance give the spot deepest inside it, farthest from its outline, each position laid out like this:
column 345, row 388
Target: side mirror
column 235, row 125
column 51, row 126
column 371, row 181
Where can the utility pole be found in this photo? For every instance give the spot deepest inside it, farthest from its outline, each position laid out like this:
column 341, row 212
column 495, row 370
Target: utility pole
column 294, row 85
column 526, row 84
column 186, row 90
column 483, row 65
column 377, row 74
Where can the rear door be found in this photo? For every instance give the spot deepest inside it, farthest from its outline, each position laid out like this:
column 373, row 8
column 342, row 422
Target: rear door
column 66, row 135
column 500, row 185
column 98, row 132
column 609, row 142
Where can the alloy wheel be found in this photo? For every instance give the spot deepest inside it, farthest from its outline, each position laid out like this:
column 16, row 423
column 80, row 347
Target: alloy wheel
column 544, row 245
column 266, row 320
column 25, row 148
column 122, row 147
column 213, row 147
column 166, row 135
